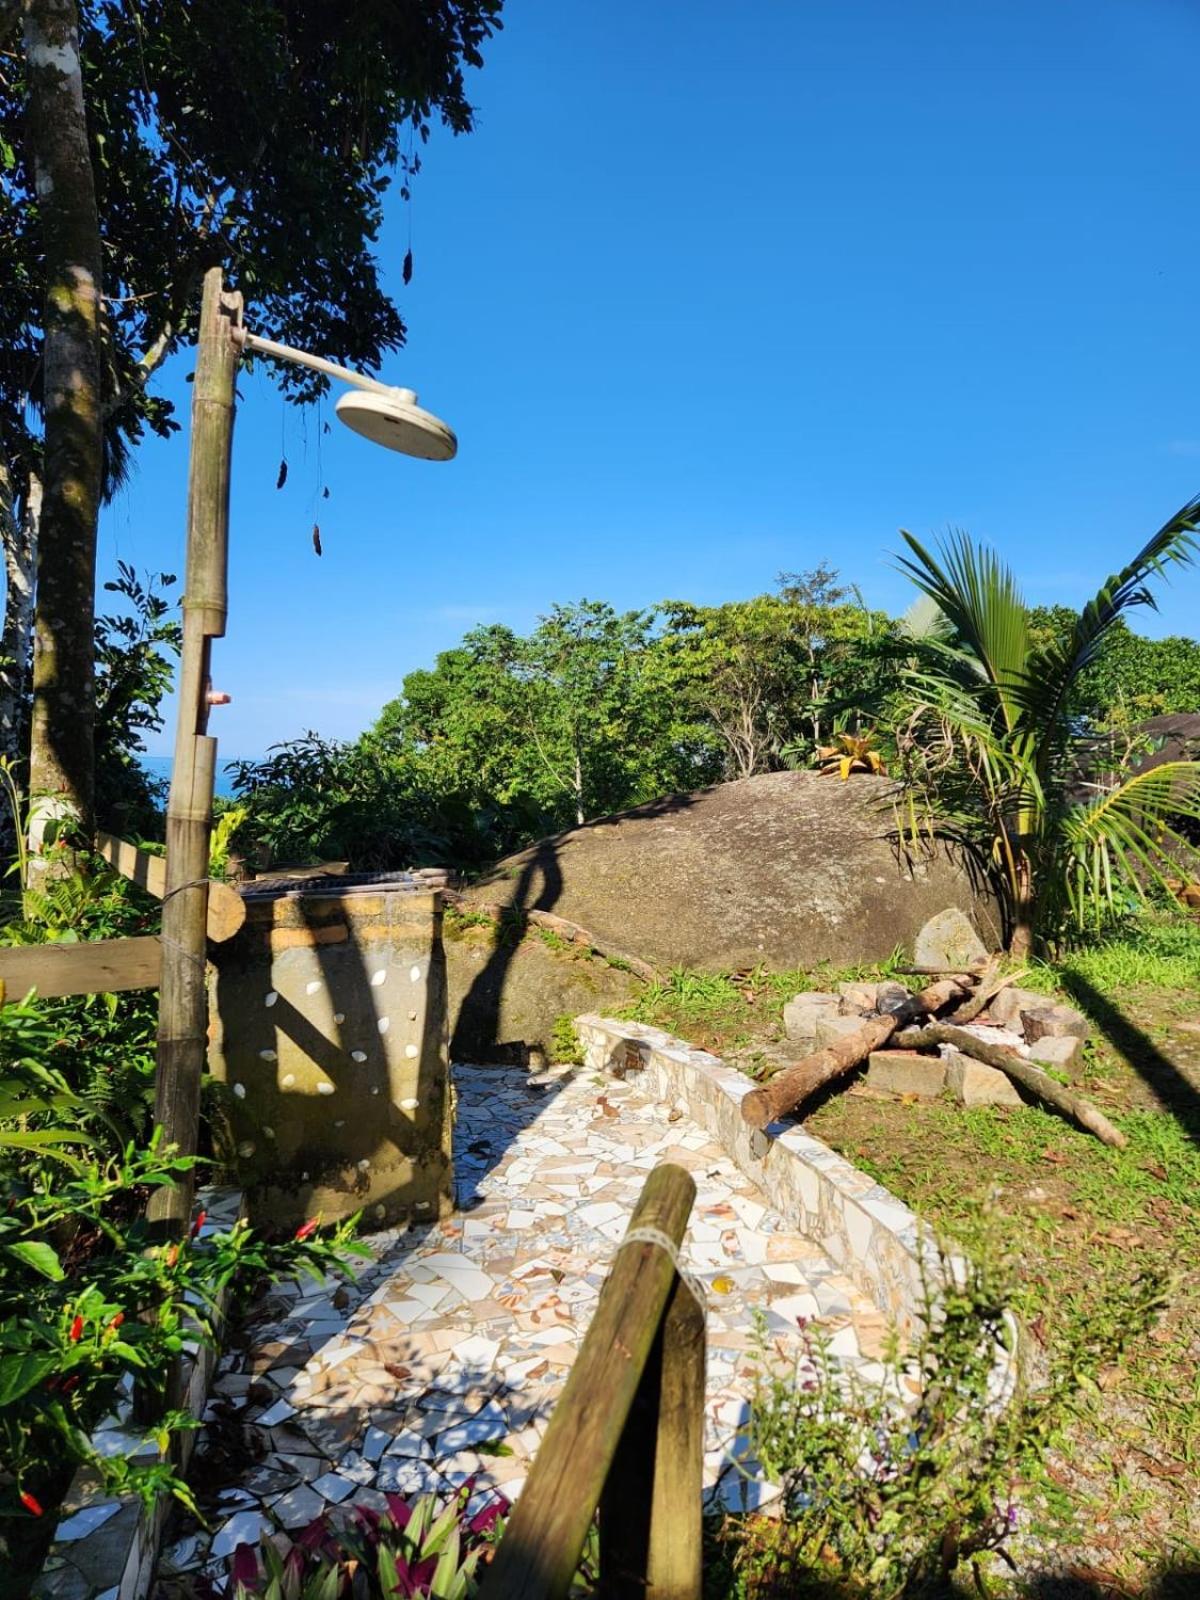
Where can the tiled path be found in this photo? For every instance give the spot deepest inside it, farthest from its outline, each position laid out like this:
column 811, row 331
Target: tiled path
column 454, row 1341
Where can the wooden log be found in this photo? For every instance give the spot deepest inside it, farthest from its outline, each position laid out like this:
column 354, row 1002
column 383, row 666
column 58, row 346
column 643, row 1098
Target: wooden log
column 786, row 1090
column 1038, row 1083
column 651, row 1532
column 226, row 908
column 183, row 1001
column 98, row 966
column 567, row 930
column 539, row 1552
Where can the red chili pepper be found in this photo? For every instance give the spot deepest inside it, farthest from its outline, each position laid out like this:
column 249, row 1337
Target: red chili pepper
column 76, row 1330
column 172, row 1255
column 31, row 1503
column 117, row 1321
column 70, row 1383
column 307, row 1228
column 201, row 1219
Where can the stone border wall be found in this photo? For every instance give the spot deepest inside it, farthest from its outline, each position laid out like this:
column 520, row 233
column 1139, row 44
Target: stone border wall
column 105, row 1546
column 876, row 1241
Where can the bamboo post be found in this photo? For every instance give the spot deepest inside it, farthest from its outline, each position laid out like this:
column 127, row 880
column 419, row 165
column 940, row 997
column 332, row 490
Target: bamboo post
column 651, row 1533
column 539, row 1552
column 183, row 1010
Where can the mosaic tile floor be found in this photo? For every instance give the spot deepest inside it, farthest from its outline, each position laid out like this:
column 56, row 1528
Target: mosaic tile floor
column 453, row 1341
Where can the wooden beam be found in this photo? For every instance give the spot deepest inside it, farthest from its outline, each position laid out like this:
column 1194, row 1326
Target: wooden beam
column 226, row 908
column 101, row 966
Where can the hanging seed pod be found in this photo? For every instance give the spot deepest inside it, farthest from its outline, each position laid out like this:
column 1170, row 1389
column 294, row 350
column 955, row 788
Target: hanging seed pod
column 282, row 478
column 316, row 539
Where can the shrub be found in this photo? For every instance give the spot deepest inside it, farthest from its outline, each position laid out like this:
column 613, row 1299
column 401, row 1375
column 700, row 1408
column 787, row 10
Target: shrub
column 90, row 1303
column 884, row 1495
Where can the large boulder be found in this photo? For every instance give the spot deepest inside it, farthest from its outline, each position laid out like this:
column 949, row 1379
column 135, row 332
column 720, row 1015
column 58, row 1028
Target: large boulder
column 506, row 994
column 786, row 870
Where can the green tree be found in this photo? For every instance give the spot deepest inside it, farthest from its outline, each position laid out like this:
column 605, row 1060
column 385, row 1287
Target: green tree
column 155, row 138
column 1135, row 678
column 996, row 742
column 571, row 722
column 768, row 673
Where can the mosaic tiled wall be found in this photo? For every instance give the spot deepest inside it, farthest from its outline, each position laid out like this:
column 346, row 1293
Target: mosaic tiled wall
column 876, row 1241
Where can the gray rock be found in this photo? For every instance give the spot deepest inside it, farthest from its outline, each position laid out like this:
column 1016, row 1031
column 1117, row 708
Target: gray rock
column 890, row 996
column 972, row 1083
column 785, row 870
column 857, row 999
column 906, row 1072
column 832, row 1028
column 948, row 942
column 801, row 1013
column 1007, row 1006
column 1051, row 1020
column 1063, row 1052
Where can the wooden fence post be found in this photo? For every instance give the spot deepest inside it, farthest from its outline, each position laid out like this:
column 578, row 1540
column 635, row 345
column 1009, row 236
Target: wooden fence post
column 183, row 1008
column 651, row 1524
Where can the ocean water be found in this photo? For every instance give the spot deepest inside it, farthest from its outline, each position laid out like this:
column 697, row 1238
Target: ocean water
column 160, row 767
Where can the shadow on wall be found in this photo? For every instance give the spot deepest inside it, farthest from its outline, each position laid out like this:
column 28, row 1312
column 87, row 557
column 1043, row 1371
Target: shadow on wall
column 330, row 1037
column 538, row 888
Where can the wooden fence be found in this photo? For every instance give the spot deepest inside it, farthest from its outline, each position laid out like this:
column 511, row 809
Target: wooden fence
column 627, row 1435
column 105, row 966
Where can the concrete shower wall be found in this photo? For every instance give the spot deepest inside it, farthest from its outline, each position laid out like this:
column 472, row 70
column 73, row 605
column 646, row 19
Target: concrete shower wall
column 329, row 1031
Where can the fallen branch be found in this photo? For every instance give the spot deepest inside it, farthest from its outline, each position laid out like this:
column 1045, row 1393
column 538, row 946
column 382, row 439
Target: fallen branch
column 570, row 931
column 789, row 1088
column 983, row 997
column 1038, row 1083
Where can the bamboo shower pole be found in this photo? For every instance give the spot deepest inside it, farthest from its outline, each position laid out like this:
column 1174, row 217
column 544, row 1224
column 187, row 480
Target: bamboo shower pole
column 183, row 1007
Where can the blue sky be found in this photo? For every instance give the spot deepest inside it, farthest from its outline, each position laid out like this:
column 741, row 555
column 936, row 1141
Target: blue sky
column 715, row 291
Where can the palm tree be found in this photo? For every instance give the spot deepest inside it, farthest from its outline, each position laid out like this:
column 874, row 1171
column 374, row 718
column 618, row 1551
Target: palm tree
column 1005, row 765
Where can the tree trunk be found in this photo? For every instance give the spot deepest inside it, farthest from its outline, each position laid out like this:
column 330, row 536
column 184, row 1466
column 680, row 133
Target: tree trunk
column 61, row 754
column 19, row 512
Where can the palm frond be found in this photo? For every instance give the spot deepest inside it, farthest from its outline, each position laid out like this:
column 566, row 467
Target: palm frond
column 1126, row 839
column 1054, row 670
column 978, row 596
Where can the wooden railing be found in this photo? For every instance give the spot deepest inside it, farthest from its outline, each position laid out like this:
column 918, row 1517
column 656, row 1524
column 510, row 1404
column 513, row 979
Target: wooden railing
column 627, row 1435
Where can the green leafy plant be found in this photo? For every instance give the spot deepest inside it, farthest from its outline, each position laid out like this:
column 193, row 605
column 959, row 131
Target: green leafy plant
column 886, row 1495
column 90, row 1301
column 566, row 1048
column 993, row 748
column 136, row 651
column 224, row 828
column 415, row 1548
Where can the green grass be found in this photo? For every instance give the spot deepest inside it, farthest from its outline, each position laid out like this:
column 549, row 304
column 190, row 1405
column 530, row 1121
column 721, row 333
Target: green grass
column 1089, row 1228
column 1158, row 950
column 726, row 1010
